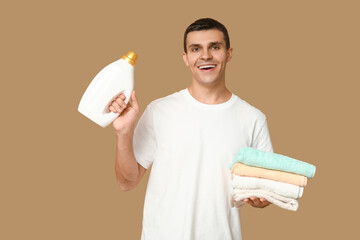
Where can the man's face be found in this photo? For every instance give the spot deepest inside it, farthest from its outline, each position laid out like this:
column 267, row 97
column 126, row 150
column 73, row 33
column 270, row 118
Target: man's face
column 207, row 56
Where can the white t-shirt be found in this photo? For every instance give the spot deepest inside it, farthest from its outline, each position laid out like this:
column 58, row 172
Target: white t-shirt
column 190, row 146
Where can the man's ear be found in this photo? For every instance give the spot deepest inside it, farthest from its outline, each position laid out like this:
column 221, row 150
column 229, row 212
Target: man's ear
column 185, row 59
column 230, row 53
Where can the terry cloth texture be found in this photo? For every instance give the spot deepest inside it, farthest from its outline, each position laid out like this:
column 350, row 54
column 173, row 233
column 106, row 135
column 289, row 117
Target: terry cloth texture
column 281, row 188
column 278, row 200
column 257, row 158
column 248, row 171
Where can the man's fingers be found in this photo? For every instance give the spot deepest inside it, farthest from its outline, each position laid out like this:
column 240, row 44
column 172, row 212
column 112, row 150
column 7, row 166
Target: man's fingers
column 249, row 201
column 265, row 202
column 112, row 109
column 120, row 100
column 122, row 96
column 256, row 201
column 117, row 106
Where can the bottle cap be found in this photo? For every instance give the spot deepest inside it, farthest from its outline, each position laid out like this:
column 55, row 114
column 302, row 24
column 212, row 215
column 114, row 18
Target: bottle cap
column 130, row 57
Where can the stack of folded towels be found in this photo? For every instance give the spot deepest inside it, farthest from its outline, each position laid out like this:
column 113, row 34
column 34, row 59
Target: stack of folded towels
column 277, row 178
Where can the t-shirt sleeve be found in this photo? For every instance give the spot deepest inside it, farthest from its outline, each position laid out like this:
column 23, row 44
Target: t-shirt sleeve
column 144, row 139
column 262, row 139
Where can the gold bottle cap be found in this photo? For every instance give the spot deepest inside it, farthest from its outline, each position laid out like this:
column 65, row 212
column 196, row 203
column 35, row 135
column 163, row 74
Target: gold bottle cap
column 130, row 57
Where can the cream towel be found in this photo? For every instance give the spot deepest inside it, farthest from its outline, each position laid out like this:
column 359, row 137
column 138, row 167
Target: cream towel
column 248, row 171
column 286, row 203
column 283, row 189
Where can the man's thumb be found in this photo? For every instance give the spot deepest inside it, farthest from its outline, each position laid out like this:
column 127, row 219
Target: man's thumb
column 134, row 100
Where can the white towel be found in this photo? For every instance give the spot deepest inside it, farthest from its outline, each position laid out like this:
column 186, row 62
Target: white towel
column 281, row 188
column 286, row 203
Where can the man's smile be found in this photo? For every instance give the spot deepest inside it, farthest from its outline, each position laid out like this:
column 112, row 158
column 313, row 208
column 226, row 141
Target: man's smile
column 206, row 67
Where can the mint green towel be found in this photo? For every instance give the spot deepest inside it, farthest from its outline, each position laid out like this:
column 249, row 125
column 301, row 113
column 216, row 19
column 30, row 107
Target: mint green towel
column 257, row 158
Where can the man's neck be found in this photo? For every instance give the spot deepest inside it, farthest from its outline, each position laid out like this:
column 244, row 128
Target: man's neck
column 209, row 95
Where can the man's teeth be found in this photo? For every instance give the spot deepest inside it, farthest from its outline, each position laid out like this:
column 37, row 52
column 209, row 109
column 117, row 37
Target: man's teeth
column 207, row 66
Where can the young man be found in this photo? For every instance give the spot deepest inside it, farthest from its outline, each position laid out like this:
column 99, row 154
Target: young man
column 189, row 138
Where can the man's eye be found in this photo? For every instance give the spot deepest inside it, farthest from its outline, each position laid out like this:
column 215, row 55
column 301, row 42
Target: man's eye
column 195, row 49
column 216, row 47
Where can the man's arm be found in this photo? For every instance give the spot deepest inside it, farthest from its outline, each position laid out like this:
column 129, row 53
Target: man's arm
column 128, row 171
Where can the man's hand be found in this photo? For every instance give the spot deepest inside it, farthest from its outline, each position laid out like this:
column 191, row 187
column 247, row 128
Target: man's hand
column 257, row 202
column 125, row 122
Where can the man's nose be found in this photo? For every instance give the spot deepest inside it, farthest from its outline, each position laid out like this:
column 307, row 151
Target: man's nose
column 206, row 54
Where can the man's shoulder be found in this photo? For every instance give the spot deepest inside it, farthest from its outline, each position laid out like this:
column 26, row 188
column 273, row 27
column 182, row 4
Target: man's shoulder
column 246, row 108
column 173, row 98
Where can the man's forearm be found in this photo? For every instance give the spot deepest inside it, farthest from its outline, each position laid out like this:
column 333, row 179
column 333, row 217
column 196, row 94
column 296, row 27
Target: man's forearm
column 126, row 167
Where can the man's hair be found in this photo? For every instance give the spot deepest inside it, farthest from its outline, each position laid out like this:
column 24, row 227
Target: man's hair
column 206, row 24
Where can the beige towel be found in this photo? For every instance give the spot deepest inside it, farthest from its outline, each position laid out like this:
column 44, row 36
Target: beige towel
column 248, row 171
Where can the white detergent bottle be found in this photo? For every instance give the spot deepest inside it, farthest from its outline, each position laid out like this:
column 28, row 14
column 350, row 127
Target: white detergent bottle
column 109, row 83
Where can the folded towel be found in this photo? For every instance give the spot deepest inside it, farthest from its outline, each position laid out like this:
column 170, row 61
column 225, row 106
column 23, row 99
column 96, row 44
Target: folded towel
column 269, row 160
column 280, row 201
column 281, row 188
column 248, row 171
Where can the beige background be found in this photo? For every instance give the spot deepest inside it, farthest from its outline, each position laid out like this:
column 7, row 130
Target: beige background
column 297, row 61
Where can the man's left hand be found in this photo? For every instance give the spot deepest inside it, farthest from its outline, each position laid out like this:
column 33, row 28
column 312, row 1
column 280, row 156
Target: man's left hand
column 257, row 202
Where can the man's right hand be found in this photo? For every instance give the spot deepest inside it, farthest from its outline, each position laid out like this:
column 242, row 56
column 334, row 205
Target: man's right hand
column 125, row 122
